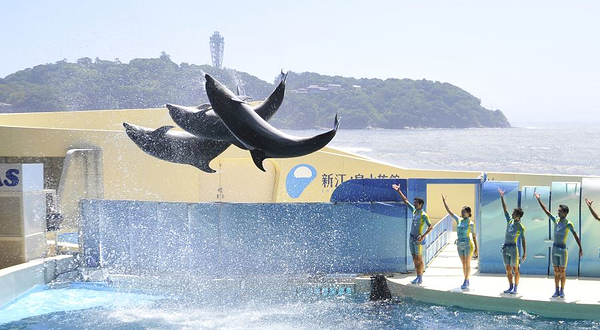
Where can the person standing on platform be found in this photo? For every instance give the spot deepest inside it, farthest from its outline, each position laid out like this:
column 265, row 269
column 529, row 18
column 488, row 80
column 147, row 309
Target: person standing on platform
column 510, row 252
column 559, row 251
column 589, row 204
column 419, row 220
column 467, row 248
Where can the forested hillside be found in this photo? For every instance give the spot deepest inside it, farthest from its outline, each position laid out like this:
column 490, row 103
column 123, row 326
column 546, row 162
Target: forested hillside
column 311, row 99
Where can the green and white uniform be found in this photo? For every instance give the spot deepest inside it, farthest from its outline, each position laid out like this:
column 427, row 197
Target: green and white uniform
column 560, row 253
column 420, row 219
column 464, row 228
column 514, row 229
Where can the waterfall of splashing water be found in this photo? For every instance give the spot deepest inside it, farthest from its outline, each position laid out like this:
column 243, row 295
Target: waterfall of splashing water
column 237, row 81
column 201, row 81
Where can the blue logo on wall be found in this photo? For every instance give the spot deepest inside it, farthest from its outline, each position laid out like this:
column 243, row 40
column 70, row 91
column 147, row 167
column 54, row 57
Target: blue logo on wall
column 299, row 178
column 12, row 178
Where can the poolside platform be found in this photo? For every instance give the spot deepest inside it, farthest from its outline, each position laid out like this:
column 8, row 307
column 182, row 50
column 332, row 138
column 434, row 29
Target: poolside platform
column 443, row 278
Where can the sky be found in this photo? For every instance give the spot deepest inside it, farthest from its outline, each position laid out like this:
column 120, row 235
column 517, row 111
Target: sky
column 537, row 61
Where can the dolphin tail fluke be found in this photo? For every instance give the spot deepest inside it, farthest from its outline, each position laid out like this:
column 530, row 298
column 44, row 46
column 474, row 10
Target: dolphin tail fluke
column 270, row 106
column 336, row 123
column 258, row 156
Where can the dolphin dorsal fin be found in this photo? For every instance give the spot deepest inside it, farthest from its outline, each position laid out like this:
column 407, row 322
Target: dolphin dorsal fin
column 162, row 130
column 204, row 106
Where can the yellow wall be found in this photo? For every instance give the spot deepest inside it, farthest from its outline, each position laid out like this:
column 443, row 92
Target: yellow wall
column 129, row 173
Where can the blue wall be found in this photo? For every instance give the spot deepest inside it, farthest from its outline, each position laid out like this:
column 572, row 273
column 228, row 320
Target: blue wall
column 132, row 237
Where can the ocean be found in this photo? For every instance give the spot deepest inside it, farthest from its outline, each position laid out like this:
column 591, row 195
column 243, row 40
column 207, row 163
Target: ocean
column 570, row 149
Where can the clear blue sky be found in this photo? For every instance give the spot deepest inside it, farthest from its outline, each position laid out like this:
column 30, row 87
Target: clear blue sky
column 534, row 60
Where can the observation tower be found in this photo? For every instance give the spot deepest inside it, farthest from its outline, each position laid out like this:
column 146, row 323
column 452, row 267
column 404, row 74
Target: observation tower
column 217, row 44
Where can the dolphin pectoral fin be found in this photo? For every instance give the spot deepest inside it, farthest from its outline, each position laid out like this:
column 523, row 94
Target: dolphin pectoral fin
column 210, row 149
column 258, row 156
column 204, row 168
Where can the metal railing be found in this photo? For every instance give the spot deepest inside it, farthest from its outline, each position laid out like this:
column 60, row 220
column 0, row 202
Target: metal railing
column 438, row 238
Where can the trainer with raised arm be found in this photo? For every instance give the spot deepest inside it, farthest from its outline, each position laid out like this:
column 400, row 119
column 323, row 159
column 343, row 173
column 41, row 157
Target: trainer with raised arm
column 419, row 220
column 510, row 252
column 559, row 252
column 589, row 204
column 466, row 247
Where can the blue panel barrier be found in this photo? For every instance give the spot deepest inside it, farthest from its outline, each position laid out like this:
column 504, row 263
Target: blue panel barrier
column 174, row 229
column 130, row 237
column 568, row 193
column 589, row 265
column 537, row 231
column 493, row 224
column 368, row 190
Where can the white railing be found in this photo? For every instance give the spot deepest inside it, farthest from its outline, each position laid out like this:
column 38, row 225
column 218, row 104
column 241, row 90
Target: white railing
column 438, row 238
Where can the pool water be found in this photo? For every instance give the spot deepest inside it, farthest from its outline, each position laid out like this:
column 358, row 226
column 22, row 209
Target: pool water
column 99, row 306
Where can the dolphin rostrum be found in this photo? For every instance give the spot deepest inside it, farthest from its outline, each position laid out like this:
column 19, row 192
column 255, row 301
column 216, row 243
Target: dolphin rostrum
column 258, row 136
column 176, row 147
column 202, row 120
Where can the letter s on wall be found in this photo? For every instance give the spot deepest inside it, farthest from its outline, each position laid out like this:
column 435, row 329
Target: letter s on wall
column 11, row 177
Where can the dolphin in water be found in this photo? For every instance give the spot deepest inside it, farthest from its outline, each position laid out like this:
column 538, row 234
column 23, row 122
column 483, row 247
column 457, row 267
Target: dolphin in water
column 258, row 136
column 176, row 147
column 203, row 121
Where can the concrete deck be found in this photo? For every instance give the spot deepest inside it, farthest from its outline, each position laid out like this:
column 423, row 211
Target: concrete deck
column 443, row 278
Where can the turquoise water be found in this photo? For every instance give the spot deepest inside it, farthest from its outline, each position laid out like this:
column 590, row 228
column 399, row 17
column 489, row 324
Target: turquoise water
column 82, row 306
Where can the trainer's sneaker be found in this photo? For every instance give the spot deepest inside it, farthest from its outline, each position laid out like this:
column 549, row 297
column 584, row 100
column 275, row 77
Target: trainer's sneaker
column 561, row 294
column 509, row 289
column 465, row 285
column 556, row 294
column 417, row 280
column 514, row 290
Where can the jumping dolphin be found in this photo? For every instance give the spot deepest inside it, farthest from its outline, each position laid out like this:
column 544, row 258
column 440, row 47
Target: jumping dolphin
column 262, row 139
column 202, row 120
column 176, row 147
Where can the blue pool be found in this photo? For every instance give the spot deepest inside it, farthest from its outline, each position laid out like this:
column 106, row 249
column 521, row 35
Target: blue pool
column 243, row 306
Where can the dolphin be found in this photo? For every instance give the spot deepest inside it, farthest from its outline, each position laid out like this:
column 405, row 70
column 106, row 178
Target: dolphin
column 176, row 147
column 258, row 136
column 202, row 120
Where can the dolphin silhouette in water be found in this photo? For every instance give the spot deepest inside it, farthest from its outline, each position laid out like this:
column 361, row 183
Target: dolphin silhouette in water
column 176, row 147
column 202, row 121
column 258, row 136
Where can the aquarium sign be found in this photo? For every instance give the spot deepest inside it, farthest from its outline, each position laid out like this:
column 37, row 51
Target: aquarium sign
column 21, row 177
column 333, row 180
column 10, row 177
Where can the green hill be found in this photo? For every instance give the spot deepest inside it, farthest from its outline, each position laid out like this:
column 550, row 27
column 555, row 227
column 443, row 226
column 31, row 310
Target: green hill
column 311, row 99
